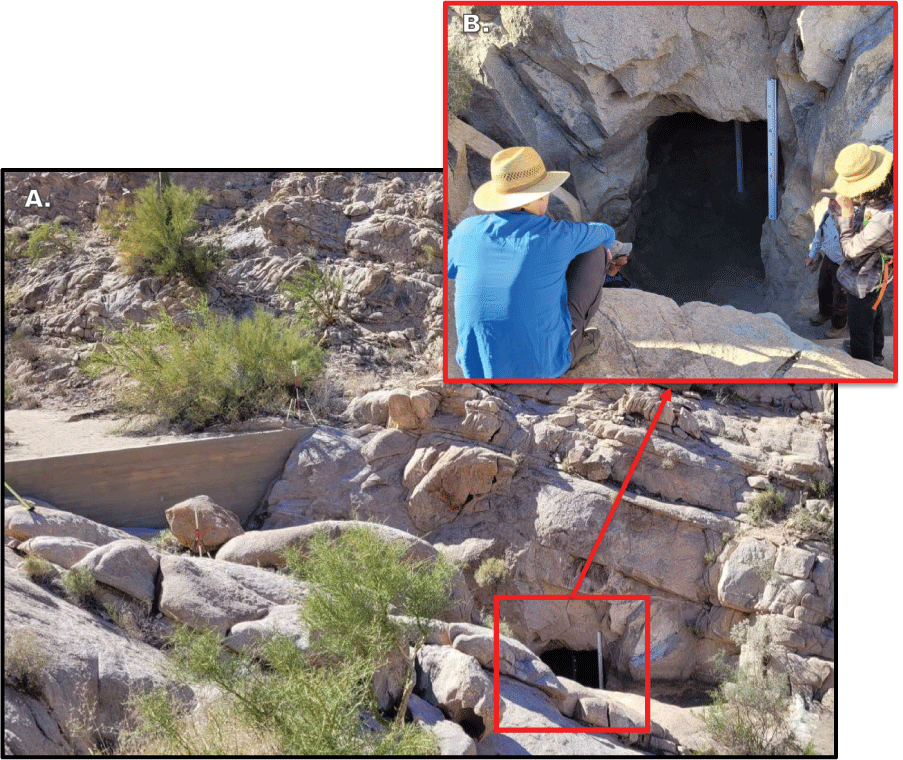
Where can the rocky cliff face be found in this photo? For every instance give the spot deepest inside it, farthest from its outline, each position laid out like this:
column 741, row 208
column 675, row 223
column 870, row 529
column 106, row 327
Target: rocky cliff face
column 529, row 474
column 584, row 84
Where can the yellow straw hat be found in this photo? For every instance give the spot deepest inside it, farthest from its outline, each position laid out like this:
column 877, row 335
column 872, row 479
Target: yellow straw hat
column 519, row 177
column 861, row 168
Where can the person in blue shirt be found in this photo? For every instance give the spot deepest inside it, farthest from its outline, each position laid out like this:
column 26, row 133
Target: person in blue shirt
column 525, row 285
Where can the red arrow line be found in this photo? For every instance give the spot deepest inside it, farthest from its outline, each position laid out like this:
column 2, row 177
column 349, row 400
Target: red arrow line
column 665, row 397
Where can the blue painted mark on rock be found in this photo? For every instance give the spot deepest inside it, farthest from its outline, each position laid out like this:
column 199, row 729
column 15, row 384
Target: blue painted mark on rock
column 658, row 651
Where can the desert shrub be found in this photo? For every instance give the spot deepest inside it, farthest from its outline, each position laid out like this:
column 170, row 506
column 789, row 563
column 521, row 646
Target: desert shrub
column 278, row 701
column 316, row 292
column 218, row 369
column 50, row 238
column 750, row 710
column 813, row 525
column 727, row 394
column 79, row 585
column 14, row 243
column 24, row 660
column 154, row 234
column 460, row 83
column 165, row 541
column 351, row 611
column 491, row 573
column 766, row 504
column 820, row 489
column 37, row 569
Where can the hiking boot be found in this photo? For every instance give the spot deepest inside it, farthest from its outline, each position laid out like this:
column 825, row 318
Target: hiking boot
column 835, row 332
column 592, row 339
column 819, row 319
column 879, row 360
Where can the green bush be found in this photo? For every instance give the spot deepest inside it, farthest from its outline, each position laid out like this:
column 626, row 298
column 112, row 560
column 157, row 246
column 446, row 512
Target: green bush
column 275, row 701
column 218, row 369
column 37, row 569
column 351, row 610
column 813, row 525
column 766, row 504
column 49, row 239
column 820, row 489
column 491, row 573
column 14, row 243
column 79, row 585
column 154, row 234
column 460, row 83
column 750, row 710
column 316, row 292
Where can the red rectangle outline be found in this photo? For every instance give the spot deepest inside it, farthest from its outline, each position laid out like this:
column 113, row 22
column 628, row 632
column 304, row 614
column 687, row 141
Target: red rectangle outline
column 647, row 728
column 655, row 380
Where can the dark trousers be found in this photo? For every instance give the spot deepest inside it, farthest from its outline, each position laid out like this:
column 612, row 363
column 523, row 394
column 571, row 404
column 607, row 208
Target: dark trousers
column 584, row 277
column 832, row 298
column 866, row 326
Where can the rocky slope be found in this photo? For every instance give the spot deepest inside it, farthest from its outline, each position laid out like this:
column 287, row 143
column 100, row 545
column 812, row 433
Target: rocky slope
column 380, row 233
column 583, row 85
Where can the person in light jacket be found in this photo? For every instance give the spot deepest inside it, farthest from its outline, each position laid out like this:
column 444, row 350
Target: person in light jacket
column 832, row 298
column 865, row 179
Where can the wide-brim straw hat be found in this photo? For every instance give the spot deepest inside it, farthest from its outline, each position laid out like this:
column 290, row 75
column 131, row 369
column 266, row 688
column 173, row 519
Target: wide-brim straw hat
column 861, row 168
column 519, row 177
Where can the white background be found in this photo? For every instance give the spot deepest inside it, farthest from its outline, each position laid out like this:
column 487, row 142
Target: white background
column 347, row 85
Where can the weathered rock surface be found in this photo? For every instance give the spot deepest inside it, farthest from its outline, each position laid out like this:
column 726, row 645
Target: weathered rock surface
column 205, row 593
column 23, row 524
column 455, row 682
column 89, row 669
column 271, row 225
column 703, row 340
column 59, row 550
column 451, row 737
column 202, row 515
column 559, row 455
column 524, row 707
column 128, row 565
column 280, row 620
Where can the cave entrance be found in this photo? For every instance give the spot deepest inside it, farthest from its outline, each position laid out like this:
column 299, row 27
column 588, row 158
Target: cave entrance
column 697, row 237
column 580, row 666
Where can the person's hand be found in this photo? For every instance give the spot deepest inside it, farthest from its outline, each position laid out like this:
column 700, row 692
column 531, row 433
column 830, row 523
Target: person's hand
column 846, row 205
column 833, row 206
column 810, row 262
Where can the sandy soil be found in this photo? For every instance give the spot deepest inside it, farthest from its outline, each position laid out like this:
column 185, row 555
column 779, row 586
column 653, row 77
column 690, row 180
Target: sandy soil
column 32, row 433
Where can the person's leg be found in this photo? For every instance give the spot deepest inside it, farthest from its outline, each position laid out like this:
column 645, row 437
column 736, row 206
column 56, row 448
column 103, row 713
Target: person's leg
column 585, row 277
column 861, row 320
column 878, row 328
column 825, row 288
column 838, row 300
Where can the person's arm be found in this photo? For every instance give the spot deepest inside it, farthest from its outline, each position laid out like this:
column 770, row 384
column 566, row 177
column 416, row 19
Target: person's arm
column 877, row 235
column 815, row 248
column 452, row 266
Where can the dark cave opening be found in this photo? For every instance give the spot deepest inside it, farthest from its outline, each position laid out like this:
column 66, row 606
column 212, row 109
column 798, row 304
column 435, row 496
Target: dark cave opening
column 580, row 666
column 697, row 237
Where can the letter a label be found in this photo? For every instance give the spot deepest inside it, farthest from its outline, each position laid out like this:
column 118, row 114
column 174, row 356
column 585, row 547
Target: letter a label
column 34, row 199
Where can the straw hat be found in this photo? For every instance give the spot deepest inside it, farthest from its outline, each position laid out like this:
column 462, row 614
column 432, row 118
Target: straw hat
column 861, row 168
column 519, row 177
